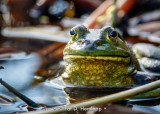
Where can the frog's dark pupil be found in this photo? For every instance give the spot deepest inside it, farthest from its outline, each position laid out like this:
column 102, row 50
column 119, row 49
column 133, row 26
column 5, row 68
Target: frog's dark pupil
column 113, row 34
column 72, row 32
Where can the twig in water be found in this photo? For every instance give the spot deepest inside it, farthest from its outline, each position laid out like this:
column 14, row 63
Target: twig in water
column 21, row 96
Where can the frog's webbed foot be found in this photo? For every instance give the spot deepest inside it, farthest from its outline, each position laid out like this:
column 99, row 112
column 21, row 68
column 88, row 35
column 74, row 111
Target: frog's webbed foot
column 141, row 78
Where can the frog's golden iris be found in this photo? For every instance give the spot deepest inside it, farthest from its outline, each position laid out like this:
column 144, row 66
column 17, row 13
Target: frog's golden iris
column 97, row 57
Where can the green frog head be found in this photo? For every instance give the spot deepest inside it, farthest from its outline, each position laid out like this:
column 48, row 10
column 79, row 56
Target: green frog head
column 97, row 57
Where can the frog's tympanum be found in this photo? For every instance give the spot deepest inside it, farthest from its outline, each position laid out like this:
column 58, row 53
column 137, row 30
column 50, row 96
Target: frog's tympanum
column 98, row 57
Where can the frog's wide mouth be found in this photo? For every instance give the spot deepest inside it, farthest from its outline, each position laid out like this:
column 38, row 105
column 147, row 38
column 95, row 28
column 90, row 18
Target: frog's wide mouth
column 106, row 58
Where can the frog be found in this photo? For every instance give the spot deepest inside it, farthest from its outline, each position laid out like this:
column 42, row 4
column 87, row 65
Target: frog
column 100, row 57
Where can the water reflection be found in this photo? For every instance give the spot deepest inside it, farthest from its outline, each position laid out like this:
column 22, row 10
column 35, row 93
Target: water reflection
column 43, row 94
column 19, row 73
column 147, row 109
column 19, row 70
column 18, row 106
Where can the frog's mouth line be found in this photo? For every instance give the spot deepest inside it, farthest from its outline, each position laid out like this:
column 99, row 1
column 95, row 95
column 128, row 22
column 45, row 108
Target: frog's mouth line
column 106, row 58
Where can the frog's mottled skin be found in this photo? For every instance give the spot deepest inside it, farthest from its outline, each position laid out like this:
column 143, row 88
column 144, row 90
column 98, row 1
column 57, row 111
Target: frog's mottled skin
column 97, row 57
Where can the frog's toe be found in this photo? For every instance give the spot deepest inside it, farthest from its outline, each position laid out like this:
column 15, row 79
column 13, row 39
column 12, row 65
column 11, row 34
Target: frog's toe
column 142, row 78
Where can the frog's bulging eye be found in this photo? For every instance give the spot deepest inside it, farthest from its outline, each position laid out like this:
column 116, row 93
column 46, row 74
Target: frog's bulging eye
column 112, row 36
column 72, row 32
